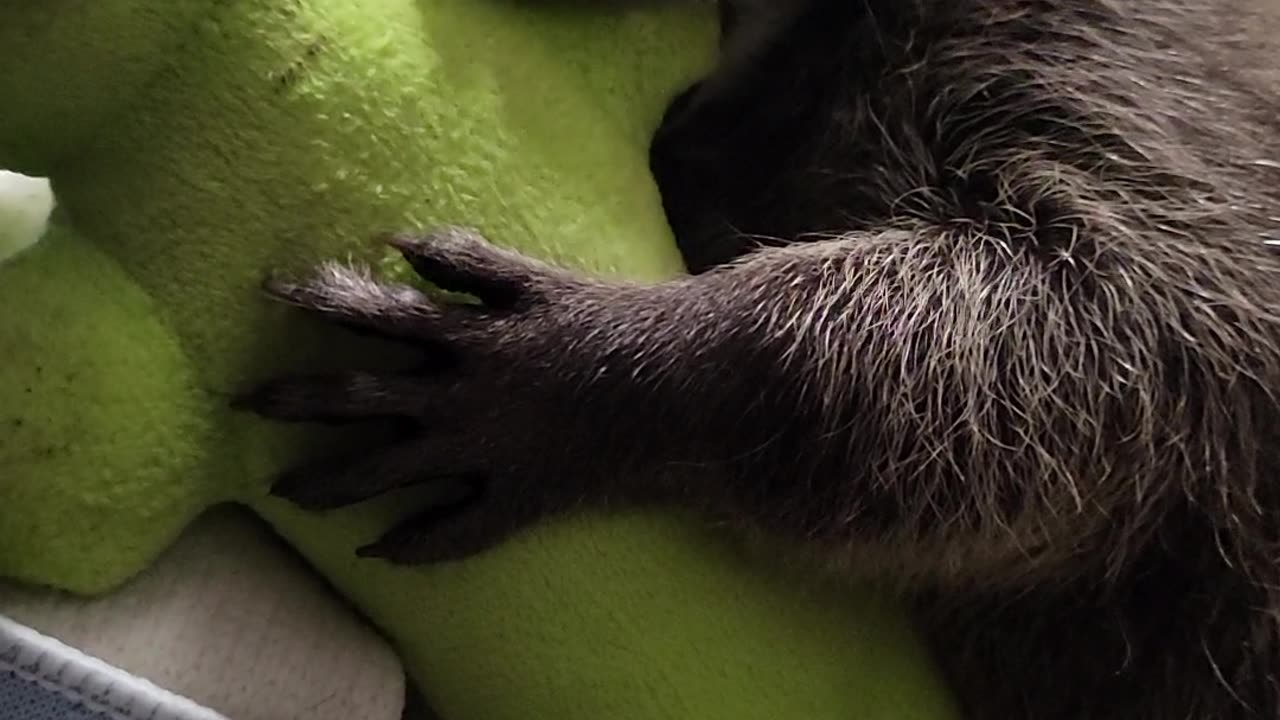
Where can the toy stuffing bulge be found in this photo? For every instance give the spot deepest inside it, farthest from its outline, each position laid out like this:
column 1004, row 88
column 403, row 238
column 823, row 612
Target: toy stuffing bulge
column 196, row 144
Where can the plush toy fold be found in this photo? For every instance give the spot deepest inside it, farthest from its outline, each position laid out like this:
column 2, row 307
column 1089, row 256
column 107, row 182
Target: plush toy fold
column 195, row 145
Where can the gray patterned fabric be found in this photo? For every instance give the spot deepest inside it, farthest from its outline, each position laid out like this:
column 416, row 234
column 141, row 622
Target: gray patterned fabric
column 42, row 679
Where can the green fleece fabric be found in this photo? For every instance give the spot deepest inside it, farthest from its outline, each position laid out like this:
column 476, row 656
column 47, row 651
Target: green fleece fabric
column 194, row 145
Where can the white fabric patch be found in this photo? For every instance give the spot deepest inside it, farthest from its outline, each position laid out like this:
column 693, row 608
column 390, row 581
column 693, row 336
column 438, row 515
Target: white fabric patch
column 231, row 619
column 25, row 205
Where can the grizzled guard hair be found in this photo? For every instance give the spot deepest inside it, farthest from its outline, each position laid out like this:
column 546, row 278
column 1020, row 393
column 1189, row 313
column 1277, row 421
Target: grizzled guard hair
column 985, row 305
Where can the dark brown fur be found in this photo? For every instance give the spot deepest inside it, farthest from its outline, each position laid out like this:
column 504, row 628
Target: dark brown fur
column 984, row 306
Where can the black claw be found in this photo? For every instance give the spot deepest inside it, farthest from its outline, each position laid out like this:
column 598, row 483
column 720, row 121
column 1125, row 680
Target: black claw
column 266, row 401
column 372, row 551
column 425, row 536
column 284, row 487
column 244, row 402
column 457, row 259
column 291, row 487
column 301, row 489
column 254, row 401
column 403, row 242
column 389, row 551
column 277, row 286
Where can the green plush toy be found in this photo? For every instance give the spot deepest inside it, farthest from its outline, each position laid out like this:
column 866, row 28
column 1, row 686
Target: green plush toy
column 194, row 146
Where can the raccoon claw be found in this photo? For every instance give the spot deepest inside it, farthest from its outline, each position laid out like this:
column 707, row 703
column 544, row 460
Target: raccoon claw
column 448, row 531
column 460, row 260
column 453, row 259
column 476, row 417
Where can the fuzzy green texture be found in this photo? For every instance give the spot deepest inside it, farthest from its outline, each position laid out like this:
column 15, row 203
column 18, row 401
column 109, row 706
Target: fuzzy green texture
column 194, row 145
